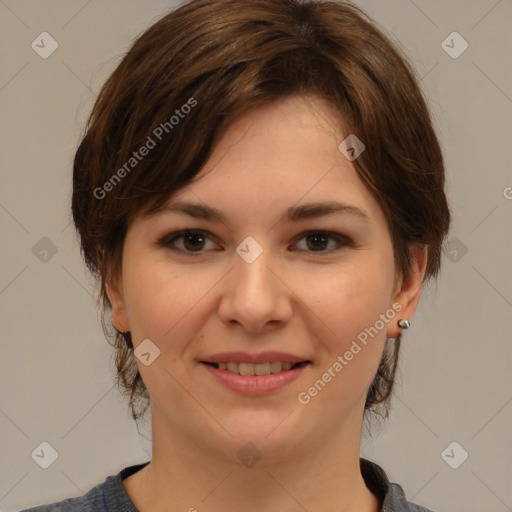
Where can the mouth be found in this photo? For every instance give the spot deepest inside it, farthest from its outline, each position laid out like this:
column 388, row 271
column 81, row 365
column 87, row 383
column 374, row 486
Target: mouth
column 261, row 378
column 258, row 369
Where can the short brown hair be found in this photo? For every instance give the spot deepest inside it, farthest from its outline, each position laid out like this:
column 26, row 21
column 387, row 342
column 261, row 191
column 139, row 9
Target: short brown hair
column 221, row 58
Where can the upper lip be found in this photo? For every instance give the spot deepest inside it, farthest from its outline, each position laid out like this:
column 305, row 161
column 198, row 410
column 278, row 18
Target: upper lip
column 246, row 357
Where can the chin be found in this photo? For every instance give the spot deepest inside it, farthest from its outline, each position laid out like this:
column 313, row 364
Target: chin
column 267, row 431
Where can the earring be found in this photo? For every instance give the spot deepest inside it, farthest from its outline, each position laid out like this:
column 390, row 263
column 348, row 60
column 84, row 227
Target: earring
column 404, row 323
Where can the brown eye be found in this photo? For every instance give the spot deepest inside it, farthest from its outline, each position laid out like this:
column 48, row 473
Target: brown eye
column 318, row 241
column 196, row 242
column 192, row 241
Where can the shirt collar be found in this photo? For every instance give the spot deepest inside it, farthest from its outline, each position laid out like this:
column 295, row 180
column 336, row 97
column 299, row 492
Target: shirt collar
column 391, row 496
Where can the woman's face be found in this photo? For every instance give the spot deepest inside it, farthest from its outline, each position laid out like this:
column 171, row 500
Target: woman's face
column 257, row 282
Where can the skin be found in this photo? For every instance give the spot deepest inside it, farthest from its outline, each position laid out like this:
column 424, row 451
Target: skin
column 308, row 299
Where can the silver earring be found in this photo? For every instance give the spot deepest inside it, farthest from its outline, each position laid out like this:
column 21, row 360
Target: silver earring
column 404, row 323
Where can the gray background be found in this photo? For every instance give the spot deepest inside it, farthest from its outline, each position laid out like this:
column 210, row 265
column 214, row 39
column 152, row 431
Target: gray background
column 56, row 368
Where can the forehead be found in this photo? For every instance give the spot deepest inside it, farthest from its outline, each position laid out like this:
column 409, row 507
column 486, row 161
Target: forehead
column 273, row 160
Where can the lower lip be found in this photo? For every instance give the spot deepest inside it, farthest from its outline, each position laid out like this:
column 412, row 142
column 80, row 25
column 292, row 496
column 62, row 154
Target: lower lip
column 255, row 384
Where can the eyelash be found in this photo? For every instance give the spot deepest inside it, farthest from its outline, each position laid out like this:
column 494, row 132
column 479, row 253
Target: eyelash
column 168, row 240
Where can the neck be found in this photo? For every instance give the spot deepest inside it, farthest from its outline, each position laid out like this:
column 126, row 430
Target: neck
column 190, row 474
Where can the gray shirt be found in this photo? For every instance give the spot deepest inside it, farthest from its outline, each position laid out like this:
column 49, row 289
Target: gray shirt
column 110, row 496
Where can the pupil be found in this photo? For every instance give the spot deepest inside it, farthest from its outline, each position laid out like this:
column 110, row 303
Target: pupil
column 318, row 237
column 192, row 236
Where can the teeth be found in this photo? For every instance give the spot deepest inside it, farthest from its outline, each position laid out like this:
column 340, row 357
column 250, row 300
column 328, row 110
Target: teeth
column 255, row 369
column 276, row 366
column 233, row 367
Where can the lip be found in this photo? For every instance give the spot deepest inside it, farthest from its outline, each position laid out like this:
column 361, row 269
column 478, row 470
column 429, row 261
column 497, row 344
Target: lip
column 256, row 384
column 245, row 357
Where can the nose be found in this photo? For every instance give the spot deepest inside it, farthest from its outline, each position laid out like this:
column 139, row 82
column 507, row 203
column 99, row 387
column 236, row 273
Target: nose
column 255, row 294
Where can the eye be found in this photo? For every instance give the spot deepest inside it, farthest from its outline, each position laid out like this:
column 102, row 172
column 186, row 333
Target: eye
column 193, row 241
column 318, row 240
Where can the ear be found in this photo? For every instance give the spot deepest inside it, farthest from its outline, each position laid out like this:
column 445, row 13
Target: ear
column 119, row 317
column 409, row 289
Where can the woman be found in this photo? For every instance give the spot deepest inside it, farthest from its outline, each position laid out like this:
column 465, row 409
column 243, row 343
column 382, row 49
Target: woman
column 260, row 194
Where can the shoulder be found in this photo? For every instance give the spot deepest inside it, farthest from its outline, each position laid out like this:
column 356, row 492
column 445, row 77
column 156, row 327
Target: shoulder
column 95, row 499
column 397, row 502
column 108, row 496
column 391, row 495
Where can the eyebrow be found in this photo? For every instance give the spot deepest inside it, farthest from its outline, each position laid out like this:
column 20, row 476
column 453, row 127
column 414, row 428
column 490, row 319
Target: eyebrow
column 292, row 214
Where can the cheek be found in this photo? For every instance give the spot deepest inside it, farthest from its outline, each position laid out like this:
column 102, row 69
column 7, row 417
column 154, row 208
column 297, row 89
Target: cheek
column 161, row 299
column 348, row 300
column 349, row 304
